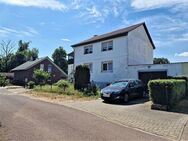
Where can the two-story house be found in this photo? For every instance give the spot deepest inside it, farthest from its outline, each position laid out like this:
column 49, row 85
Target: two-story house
column 109, row 55
column 121, row 54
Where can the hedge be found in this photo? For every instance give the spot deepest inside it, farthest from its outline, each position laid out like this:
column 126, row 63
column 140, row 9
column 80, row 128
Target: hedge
column 167, row 91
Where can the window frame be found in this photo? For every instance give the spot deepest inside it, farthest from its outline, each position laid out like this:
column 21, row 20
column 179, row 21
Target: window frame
column 108, row 46
column 89, row 49
column 107, row 63
column 88, row 64
column 49, row 65
column 42, row 67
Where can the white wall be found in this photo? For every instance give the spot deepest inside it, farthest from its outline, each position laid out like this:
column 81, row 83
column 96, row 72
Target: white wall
column 140, row 50
column 118, row 55
column 172, row 69
column 70, row 71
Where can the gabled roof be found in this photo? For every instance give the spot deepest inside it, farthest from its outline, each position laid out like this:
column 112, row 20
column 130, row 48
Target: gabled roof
column 29, row 64
column 114, row 34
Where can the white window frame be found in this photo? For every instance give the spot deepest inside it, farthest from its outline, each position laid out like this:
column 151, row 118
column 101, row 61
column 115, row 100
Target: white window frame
column 89, row 48
column 90, row 66
column 108, row 67
column 42, row 67
column 107, row 46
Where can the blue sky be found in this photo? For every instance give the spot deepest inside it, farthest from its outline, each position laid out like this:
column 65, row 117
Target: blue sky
column 53, row 23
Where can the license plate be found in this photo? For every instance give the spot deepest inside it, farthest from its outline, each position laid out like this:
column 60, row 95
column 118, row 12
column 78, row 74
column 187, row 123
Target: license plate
column 106, row 95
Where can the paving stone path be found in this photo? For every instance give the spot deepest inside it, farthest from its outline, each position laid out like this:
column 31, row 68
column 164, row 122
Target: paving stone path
column 137, row 115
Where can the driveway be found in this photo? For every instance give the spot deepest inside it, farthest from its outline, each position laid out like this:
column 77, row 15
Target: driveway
column 26, row 119
column 138, row 115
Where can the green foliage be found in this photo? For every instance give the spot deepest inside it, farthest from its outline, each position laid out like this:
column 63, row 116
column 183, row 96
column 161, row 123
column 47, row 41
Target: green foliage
column 82, row 77
column 167, row 91
column 41, row 76
column 31, row 84
column 3, row 81
column 10, row 60
column 91, row 90
column 161, row 61
column 63, row 84
column 59, row 57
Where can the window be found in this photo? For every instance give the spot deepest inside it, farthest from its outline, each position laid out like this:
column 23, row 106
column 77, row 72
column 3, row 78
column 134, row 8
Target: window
column 41, row 66
column 90, row 66
column 107, row 46
column 107, row 66
column 88, row 49
column 49, row 68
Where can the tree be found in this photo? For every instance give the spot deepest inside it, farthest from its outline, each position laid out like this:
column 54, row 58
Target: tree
column 41, row 76
column 6, row 49
column 23, row 46
column 161, row 61
column 60, row 58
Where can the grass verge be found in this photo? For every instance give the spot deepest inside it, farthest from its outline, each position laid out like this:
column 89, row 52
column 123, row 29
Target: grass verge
column 54, row 92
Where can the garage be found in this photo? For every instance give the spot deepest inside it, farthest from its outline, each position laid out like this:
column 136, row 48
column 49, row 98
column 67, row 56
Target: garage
column 150, row 75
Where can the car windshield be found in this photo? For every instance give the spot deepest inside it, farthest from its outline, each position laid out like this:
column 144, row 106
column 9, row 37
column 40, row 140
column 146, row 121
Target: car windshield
column 120, row 84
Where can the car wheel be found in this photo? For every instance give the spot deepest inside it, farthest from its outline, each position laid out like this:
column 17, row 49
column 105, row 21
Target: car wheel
column 106, row 101
column 126, row 98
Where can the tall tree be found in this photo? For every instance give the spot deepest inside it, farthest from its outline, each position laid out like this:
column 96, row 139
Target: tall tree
column 6, row 50
column 23, row 46
column 161, row 61
column 60, row 58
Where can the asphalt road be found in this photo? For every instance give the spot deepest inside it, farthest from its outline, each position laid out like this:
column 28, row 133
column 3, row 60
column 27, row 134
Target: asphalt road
column 25, row 119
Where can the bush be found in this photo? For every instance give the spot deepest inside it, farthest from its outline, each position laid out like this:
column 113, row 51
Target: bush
column 63, row 84
column 82, row 77
column 167, row 91
column 41, row 76
column 3, row 81
column 91, row 90
column 182, row 78
column 31, row 84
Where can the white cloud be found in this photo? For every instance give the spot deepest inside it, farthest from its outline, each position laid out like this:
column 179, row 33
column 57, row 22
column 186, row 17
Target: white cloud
column 66, row 40
column 152, row 4
column 8, row 31
column 98, row 11
column 52, row 4
column 183, row 54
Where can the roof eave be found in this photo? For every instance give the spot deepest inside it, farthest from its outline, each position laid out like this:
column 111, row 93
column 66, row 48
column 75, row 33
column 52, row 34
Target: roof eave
column 98, row 40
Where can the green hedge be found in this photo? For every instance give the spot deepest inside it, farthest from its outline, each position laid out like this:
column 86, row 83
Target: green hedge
column 175, row 89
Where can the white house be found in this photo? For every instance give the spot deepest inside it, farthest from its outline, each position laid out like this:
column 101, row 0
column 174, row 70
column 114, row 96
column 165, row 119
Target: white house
column 124, row 53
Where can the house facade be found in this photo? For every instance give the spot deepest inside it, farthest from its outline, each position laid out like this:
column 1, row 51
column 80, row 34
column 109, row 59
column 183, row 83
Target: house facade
column 109, row 55
column 24, row 72
column 122, row 54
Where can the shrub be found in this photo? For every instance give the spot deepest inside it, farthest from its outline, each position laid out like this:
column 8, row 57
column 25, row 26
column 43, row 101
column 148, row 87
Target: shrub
column 31, row 84
column 41, row 76
column 82, row 77
column 182, row 77
column 91, row 90
column 167, row 91
column 3, row 81
column 63, row 84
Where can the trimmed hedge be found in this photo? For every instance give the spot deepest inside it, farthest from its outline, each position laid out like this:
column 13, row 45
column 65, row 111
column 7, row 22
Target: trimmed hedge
column 182, row 78
column 167, row 91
